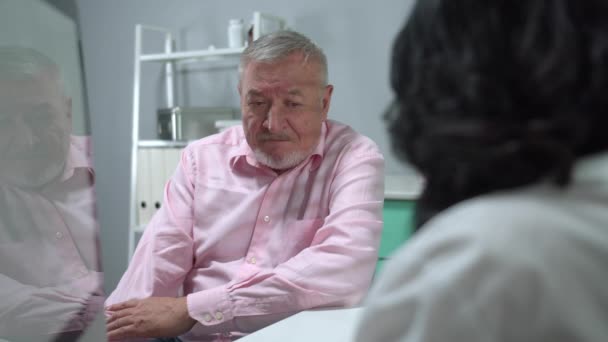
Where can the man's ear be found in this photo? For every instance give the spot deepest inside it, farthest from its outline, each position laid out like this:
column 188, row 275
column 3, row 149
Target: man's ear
column 326, row 100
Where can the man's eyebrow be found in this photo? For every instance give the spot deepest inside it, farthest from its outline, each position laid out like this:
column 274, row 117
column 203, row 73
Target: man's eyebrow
column 296, row 92
column 254, row 92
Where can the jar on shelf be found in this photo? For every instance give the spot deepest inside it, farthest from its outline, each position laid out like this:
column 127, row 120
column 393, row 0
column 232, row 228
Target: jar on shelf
column 236, row 33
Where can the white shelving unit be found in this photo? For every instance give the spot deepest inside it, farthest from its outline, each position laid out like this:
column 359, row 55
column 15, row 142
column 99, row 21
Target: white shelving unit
column 262, row 23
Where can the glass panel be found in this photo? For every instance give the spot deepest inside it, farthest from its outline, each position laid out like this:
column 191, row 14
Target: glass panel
column 51, row 280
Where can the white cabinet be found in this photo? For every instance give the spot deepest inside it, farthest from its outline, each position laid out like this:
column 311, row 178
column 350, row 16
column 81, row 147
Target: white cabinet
column 156, row 165
column 156, row 162
column 143, row 198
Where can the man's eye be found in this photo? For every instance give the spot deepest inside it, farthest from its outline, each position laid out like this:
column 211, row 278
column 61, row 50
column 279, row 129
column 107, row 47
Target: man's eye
column 256, row 103
column 292, row 104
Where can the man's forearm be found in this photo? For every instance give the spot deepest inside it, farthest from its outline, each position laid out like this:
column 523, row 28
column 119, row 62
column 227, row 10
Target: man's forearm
column 32, row 310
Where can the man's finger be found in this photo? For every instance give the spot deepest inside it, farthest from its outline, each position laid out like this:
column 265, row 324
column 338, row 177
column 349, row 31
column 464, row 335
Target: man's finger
column 119, row 314
column 119, row 323
column 121, row 333
column 124, row 305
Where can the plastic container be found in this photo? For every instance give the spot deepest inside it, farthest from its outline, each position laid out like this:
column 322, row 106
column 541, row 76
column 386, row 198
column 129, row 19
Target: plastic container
column 236, row 33
column 192, row 123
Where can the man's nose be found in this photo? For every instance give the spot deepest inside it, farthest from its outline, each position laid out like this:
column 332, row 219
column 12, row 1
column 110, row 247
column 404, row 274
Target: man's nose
column 274, row 120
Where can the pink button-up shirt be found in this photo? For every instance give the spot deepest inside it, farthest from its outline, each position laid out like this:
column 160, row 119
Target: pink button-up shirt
column 50, row 275
column 250, row 246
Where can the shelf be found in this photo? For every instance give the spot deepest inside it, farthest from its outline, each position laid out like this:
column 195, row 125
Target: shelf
column 189, row 55
column 162, row 143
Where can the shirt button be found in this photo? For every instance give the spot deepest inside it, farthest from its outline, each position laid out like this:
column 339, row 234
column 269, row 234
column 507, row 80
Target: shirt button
column 207, row 318
column 219, row 316
column 252, row 260
column 266, row 218
column 59, row 235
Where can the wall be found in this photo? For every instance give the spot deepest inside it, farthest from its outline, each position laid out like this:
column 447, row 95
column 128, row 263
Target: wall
column 355, row 35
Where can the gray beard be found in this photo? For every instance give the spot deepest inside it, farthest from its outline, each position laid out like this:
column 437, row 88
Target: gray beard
column 287, row 162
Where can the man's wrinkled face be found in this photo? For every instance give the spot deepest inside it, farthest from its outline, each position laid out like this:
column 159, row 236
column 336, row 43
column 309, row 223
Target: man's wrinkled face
column 284, row 104
column 35, row 126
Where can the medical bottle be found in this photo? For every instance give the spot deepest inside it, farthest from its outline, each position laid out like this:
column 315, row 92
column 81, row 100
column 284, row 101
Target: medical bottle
column 235, row 33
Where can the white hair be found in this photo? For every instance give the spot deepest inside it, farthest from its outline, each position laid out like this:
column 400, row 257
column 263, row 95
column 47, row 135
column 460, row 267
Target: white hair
column 21, row 63
column 280, row 44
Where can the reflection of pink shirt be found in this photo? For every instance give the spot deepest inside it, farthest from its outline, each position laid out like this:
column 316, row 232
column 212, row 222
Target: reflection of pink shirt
column 249, row 245
column 50, row 275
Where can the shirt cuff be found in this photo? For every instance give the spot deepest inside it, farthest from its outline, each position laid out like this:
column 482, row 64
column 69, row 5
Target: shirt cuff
column 210, row 307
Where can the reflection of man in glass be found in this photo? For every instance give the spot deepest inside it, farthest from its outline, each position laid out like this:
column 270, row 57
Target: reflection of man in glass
column 50, row 276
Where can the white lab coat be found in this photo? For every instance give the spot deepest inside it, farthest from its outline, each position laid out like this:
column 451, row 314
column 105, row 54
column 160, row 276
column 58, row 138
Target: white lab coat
column 529, row 264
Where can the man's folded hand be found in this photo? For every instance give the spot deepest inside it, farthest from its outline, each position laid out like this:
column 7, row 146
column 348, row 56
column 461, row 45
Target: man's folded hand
column 149, row 317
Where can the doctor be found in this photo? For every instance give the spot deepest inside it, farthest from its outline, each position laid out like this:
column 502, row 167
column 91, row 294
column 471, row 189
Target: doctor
column 502, row 106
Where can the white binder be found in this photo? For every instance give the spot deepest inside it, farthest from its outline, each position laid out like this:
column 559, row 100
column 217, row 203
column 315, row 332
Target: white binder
column 157, row 176
column 144, row 204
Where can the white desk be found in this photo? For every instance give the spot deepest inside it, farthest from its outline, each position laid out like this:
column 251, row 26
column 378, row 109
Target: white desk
column 337, row 325
column 407, row 186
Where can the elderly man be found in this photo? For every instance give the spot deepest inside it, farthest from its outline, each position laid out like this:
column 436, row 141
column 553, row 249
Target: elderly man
column 50, row 274
column 261, row 221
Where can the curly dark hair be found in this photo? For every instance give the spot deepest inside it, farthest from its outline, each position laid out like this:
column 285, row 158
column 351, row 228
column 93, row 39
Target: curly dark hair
column 497, row 94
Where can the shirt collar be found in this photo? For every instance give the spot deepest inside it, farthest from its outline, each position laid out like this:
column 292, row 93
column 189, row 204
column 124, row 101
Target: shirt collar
column 79, row 157
column 319, row 151
column 244, row 153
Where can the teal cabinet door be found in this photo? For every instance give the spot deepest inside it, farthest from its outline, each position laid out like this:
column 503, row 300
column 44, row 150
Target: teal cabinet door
column 398, row 227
